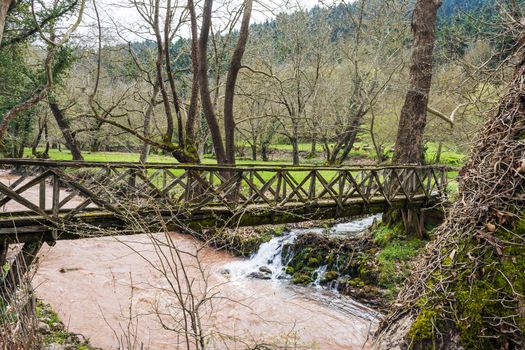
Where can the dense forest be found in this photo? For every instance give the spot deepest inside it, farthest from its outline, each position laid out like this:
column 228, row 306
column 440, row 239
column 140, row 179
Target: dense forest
column 288, row 175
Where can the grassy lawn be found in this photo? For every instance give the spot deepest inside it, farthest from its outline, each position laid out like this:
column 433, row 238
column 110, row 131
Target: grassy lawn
column 134, row 157
column 448, row 157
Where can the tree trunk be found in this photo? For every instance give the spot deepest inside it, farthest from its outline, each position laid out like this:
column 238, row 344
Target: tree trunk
column 147, row 123
column 168, row 136
column 294, row 139
column 171, row 78
column 233, row 71
column 254, row 151
column 438, row 153
column 346, row 144
column 4, row 9
column 207, row 105
column 64, row 127
column 193, row 110
column 295, row 151
column 264, row 152
column 378, row 148
column 413, row 120
column 38, row 137
column 468, row 289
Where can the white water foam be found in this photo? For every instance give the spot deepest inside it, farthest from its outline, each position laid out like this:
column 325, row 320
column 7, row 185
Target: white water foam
column 268, row 262
column 268, row 258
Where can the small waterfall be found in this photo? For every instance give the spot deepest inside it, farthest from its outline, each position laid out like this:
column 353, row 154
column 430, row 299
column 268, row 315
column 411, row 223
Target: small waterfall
column 317, row 275
column 267, row 263
column 355, row 226
column 270, row 264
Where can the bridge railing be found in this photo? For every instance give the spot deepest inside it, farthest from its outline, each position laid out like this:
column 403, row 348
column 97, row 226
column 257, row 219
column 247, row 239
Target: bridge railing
column 66, row 188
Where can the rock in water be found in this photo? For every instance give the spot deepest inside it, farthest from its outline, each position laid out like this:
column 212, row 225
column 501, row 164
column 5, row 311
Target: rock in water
column 43, row 328
column 265, row 269
column 260, row 275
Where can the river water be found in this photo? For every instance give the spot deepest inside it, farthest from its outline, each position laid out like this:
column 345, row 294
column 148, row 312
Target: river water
column 116, row 291
column 90, row 284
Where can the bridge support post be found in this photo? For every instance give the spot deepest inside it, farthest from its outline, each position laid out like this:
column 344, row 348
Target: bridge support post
column 414, row 220
column 3, row 253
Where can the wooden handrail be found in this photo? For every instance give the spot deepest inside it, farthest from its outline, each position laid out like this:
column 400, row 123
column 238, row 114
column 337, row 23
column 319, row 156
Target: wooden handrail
column 243, row 167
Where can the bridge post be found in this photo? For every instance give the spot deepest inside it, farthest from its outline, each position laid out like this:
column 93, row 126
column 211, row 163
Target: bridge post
column 55, row 206
column 42, row 194
column 3, row 253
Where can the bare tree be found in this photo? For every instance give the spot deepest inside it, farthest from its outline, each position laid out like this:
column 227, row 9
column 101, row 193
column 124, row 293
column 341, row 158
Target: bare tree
column 233, row 71
column 372, row 56
column 208, row 107
column 409, row 143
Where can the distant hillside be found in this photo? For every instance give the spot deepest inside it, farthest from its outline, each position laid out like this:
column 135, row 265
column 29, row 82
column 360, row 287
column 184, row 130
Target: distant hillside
column 453, row 8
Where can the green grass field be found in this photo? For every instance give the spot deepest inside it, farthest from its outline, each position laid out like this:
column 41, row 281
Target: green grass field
column 448, row 157
column 134, row 157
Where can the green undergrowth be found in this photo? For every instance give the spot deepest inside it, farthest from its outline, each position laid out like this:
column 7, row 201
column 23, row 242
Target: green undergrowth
column 55, row 332
column 395, row 257
column 363, row 150
column 485, row 308
column 371, row 267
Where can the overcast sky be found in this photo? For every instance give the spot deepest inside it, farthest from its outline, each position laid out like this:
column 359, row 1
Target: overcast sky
column 120, row 14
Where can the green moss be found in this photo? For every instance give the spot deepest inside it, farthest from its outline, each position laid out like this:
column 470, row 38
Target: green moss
column 479, row 301
column 330, row 276
column 58, row 334
column 301, row 278
column 401, row 250
column 422, row 328
column 383, row 235
column 290, row 270
column 312, row 262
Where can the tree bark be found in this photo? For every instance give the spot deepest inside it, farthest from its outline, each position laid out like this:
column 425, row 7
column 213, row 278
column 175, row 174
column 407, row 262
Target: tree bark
column 64, row 127
column 4, row 9
column 207, row 105
column 193, row 110
column 346, row 144
column 171, row 78
column 264, row 152
column 168, row 136
column 36, row 142
column 413, row 120
column 233, row 71
column 147, row 123
column 313, row 148
column 294, row 139
column 295, row 151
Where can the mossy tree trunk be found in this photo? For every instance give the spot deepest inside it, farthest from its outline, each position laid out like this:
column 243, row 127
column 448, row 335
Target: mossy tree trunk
column 469, row 288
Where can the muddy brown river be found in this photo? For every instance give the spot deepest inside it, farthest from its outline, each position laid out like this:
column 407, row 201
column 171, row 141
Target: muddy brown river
column 90, row 283
column 121, row 292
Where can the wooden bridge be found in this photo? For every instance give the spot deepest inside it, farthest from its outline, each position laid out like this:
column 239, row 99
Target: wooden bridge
column 43, row 201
